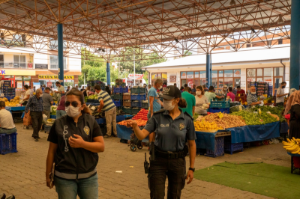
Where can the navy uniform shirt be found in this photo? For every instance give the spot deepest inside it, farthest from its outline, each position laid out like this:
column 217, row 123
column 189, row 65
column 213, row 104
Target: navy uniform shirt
column 171, row 135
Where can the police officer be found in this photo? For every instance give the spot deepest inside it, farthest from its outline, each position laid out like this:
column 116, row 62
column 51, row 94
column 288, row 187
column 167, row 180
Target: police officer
column 173, row 129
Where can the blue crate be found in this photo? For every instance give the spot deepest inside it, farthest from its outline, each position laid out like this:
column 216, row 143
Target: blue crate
column 138, row 90
column 136, row 104
column 53, row 116
column 117, row 96
column 10, row 97
column 138, row 97
column 127, row 110
column 92, row 104
column 217, row 110
column 117, row 103
column 100, row 120
column 121, row 90
column 284, row 127
column 8, row 143
column 145, row 105
column 219, row 104
column 233, row 147
column 219, row 148
column 92, row 101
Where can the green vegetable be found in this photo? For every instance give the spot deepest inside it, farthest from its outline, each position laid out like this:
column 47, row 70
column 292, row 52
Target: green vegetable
column 252, row 118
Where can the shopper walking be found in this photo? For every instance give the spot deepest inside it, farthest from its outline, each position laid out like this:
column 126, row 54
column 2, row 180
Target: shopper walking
column 153, row 98
column 293, row 106
column 200, row 101
column 190, row 100
column 281, row 94
column 47, row 102
column 75, row 141
column 60, row 111
column 35, row 105
column 173, row 128
column 108, row 106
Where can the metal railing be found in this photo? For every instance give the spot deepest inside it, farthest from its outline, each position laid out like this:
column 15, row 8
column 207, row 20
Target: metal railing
column 21, row 65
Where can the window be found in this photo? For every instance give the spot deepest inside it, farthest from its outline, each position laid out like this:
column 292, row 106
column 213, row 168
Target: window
column 19, row 61
column 248, row 46
column 54, row 62
column 279, row 41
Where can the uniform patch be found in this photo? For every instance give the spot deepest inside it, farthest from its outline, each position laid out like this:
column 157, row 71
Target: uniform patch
column 86, row 129
column 164, row 125
column 181, row 126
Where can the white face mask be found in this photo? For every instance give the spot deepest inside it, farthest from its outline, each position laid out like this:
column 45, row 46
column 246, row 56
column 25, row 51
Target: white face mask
column 72, row 111
column 198, row 92
column 168, row 105
column 253, row 93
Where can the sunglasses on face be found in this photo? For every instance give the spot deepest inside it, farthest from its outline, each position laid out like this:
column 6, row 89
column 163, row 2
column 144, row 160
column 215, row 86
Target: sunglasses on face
column 74, row 103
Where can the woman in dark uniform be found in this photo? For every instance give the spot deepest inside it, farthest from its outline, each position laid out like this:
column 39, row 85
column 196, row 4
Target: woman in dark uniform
column 173, row 129
column 293, row 105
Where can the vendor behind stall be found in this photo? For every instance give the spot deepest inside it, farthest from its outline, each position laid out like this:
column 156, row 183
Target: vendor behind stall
column 223, row 93
column 281, row 94
column 202, row 102
column 7, row 125
column 252, row 97
column 26, row 95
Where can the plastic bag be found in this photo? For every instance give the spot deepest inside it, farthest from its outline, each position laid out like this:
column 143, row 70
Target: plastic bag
column 27, row 119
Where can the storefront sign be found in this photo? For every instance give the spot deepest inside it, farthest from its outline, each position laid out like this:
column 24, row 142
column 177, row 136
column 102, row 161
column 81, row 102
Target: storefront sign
column 18, row 72
column 172, row 78
column 197, row 75
column 19, row 84
column 30, row 65
column 55, row 77
column 41, row 66
column 183, row 75
column 27, row 83
column 137, row 76
column 190, row 75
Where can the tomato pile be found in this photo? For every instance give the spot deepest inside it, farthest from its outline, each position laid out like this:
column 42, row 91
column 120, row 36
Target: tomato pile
column 141, row 115
column 139, row 122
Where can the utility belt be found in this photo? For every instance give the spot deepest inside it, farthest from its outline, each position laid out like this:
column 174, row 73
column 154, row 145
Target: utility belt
column 170, row 154
column 79, row 176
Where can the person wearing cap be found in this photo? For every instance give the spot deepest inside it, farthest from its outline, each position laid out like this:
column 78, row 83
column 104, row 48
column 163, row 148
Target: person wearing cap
column 223, row 93
column 173, row 128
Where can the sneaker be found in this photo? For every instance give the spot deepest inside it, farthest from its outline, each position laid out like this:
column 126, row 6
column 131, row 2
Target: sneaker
column 107, row 136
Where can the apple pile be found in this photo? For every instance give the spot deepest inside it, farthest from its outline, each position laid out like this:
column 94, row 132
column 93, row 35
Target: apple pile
column 141, row 115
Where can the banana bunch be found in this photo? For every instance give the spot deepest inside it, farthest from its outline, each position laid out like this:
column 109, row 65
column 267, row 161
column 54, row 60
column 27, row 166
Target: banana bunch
column 292, row 146
column 204, row 125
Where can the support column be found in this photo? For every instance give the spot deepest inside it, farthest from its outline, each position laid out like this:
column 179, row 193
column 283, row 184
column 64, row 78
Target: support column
column 208, row 70
column 108, row 73
column 295, row 45
column 60, row 53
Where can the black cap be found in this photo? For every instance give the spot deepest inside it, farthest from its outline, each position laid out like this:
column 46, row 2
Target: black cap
column 171, row 92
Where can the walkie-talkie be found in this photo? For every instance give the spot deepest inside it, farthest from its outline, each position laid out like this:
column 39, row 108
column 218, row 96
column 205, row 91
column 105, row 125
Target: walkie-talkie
column 146, row 164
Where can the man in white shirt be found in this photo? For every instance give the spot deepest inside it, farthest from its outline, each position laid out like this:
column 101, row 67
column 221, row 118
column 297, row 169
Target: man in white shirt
column 281, row 94
column 26, row 95
column 60, row 91
column 7, row 125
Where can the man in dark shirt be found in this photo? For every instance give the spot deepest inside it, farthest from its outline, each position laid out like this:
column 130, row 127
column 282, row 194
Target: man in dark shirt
column 47, row 102
column 35, row 104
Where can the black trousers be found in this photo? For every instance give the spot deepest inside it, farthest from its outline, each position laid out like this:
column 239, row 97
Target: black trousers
column 161, row 168
column 37, row 119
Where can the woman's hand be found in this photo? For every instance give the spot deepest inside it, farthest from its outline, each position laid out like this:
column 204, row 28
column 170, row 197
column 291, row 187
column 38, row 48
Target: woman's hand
column 132, row 124
column 49, row 183
column 76, row 142
column 190, row 176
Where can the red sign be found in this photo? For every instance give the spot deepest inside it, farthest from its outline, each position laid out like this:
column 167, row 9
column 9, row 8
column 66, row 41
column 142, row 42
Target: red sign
column 49, row 84
column 137, row 76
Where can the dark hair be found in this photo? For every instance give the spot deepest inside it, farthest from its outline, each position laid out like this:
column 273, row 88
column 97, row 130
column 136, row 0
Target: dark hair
column 57, row 82
column 47, row 88
column 185, row 85
column 283, row 83
column 186, row 89
column 97, row 87
column 230, row 89
column 2, row 104
column 238, row 87
column 181, row 88
column 211, row 88
column 200, row 88
column 182, row 103
column 26, row 86
column 79, row 95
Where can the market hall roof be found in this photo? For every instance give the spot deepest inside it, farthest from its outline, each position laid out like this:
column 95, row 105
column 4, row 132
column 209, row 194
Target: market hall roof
column 114, row 24
column 251, row 55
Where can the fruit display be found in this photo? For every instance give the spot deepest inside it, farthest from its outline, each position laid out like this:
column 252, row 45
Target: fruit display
column 255, row 118
column 292, row 146
column 224, row 120
column 139, row 122
column 4, row 99
column 206, row 126
column 93, row 97
column 141, row 115
column 277, row 110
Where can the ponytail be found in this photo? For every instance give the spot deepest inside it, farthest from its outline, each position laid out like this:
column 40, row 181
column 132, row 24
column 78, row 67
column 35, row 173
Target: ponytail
column 86, row 110
column 182, row 103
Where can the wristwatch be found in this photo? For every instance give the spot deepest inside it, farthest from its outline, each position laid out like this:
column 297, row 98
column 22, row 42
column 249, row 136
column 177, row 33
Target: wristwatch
column 192, row 169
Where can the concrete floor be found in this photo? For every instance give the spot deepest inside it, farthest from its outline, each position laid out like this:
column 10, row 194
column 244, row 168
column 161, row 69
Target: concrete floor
column 23, row 173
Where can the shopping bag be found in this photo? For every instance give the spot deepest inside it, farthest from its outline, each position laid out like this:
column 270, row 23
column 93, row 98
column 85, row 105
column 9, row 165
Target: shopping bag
column 27, row 119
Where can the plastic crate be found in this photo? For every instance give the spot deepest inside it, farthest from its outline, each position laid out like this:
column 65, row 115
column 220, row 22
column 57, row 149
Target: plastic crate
column 127, row 110
column 136, row 104
column 220, row 104
column 138, row 97
column 121, row 90
column 138, row 90
column 217, row 110
column 135, row 111
column 127, row 103
column 53, row 116
column 92, row 101
column 233, row 147
column 117, row 103
column 145, row 105
column 219, row 148
column 117, row 96
column 8, row 143
column 126, row 96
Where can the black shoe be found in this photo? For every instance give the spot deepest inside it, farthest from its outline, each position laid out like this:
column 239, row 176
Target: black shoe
column 3, row 196
column 107, row 136
column 113, row 135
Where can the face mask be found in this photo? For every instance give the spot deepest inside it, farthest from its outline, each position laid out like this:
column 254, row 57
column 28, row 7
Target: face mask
column 198, row 92
column 168, row 105
column 72, row 111
column 253, row 93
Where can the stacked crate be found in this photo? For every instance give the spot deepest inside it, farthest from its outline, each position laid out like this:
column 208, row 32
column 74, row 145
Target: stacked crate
column 8, row 92
column 138, row 95
column 118, row 95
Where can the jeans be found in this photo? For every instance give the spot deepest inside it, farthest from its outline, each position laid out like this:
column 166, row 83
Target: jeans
column 160, row 169
column 111, row 117
column 37, row 119
column 8, row 131
column 84, row 188
column 60, row 113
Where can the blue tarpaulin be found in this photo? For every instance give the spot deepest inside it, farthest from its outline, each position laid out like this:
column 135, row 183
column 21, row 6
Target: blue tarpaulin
column 119, row 119
column 124, row 133
column 205, row 140
column 254, row 132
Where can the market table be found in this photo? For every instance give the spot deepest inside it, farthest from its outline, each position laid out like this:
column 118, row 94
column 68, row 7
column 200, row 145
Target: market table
column 206, row 139
column 17, row 108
